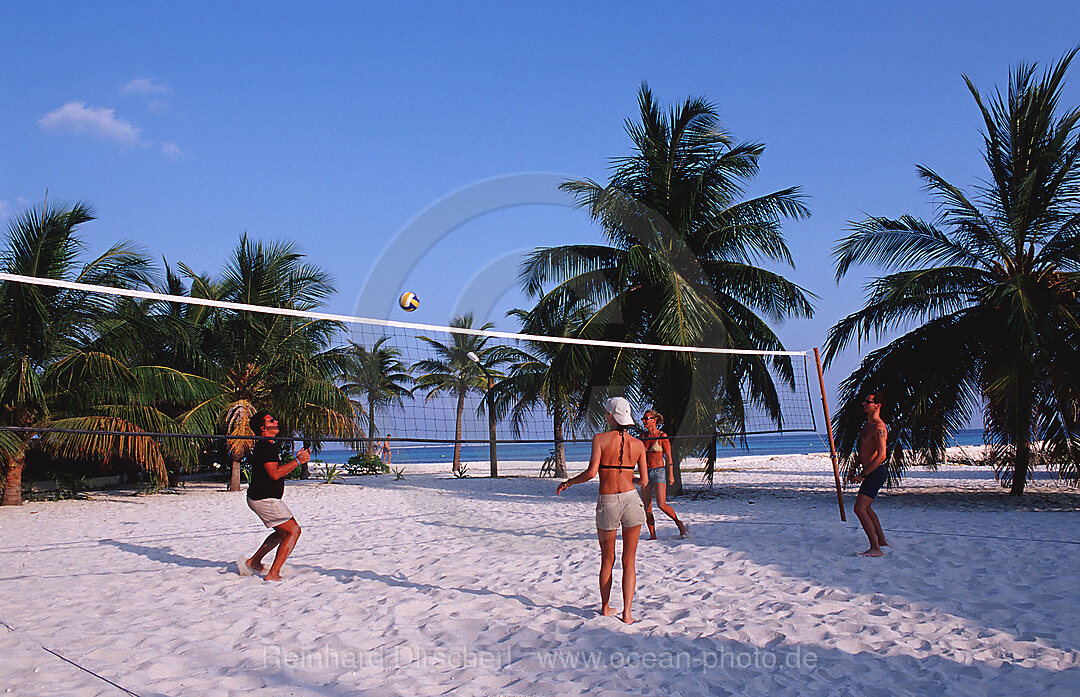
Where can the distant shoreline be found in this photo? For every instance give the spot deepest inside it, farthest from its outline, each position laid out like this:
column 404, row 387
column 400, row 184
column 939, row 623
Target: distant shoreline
column 531, row 467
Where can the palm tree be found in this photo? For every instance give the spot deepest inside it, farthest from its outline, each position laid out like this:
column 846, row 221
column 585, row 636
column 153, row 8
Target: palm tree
column 551, row 375
column 680, row 270
column 153, row 332
column 451, row 371
column 48, row 375
column 162, row 344
column 280, row 363
column 377, row 377
column 992, row 284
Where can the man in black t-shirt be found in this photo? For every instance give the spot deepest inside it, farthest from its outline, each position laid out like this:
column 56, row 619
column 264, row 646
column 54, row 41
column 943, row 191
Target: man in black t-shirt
column 264, row 497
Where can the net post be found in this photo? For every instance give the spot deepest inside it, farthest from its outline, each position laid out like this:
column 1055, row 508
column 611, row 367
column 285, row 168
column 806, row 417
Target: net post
column 492, row 446
column 832, row 444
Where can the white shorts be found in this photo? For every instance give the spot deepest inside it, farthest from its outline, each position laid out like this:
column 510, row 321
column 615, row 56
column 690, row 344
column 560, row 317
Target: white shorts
column 613, row 510
column 272, row 512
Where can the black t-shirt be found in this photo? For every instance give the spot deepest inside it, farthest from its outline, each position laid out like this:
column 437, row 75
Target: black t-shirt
column 262, row 485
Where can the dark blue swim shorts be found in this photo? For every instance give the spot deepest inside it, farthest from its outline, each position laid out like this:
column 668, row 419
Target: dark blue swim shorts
column 874, row 481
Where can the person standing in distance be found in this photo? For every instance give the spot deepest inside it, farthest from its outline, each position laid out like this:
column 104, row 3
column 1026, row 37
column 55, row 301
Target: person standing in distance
column 869, row 469
column 384, row 454
column 658, row 456
column 264, row 497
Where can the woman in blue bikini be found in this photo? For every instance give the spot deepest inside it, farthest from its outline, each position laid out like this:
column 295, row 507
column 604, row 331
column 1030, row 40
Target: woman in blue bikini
column 661, row 472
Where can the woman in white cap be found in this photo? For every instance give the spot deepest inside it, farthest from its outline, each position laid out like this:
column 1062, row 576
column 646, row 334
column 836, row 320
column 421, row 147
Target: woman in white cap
column 615, row 456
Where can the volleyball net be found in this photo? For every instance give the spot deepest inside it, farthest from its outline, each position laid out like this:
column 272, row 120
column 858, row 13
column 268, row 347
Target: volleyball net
column 419, row 383
column 463, row 381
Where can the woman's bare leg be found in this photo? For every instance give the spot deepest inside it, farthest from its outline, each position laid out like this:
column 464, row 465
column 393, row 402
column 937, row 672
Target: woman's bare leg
column 629, row 569
column 646, row 500
column 663, row 505
column 607, row 563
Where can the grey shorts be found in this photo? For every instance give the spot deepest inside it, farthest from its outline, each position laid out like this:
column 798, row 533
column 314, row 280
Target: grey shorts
column 272, row 512
column 625, row 509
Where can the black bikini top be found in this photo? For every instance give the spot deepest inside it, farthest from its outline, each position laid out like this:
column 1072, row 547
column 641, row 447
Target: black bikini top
column 622, row 437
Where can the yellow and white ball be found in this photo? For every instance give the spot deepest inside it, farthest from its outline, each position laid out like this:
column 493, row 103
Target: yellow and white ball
column 409, row 301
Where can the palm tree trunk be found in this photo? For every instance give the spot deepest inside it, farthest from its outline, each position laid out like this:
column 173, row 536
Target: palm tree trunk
column 371, row 426
column 13, row 480
column 560, row 446
column 1021, row 467
column 1022, row 433
column 234, row 475
column 457, row 431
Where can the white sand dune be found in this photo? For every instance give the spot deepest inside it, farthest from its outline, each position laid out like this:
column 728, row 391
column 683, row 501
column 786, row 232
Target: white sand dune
column 439, row 586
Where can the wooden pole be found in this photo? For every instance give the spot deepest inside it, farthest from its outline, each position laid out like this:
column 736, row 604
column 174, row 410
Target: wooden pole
column 832, row 444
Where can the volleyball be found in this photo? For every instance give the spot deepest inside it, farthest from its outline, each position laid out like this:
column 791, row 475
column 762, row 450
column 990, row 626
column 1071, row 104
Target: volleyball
column 409, row 301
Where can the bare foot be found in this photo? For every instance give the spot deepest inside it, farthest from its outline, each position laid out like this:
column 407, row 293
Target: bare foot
column 273, row 577
column 626, row 618
column 685, row 533
column 607, row 611
column 256, row 566
column 245, row 567
column 652, row 537
column 872, row 552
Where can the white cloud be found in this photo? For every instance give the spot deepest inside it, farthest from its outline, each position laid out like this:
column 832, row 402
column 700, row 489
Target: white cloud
column 76, row 117
column 144, row 85
column 171, row 150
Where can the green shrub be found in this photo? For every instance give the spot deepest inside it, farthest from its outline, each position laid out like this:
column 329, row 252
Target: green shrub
column 365, row 463
column 332, row 473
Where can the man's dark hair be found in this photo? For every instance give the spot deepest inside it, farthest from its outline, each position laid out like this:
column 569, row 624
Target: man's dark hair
column 878, row 397
column 257, row 421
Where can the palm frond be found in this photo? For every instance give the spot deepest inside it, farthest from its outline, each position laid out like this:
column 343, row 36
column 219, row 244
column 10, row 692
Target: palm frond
column 132, row 446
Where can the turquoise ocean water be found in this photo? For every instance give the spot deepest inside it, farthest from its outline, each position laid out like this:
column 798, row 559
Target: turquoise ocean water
column 772, row 444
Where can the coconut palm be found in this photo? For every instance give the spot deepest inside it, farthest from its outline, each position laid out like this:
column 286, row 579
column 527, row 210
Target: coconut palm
column 377, row 377
column 992, row 284
column 680, row 269
column 283, row 364
column 547, row 375
column 48, row 376
column 163, row 343
column 451, row 371
column 154, row 332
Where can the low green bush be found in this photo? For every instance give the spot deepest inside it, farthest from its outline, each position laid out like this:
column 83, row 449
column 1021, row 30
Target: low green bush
column 365, row 463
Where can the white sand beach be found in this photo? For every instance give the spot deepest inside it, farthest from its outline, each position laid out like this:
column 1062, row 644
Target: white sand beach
column 439, row 586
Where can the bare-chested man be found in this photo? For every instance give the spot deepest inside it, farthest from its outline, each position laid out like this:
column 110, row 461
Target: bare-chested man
column 869, row 468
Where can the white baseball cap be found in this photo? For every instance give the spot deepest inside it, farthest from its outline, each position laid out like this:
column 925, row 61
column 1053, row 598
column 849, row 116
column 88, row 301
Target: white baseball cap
column 619, row 409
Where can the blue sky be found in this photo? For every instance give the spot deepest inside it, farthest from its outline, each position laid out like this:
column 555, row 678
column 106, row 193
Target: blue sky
column 347, row 128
